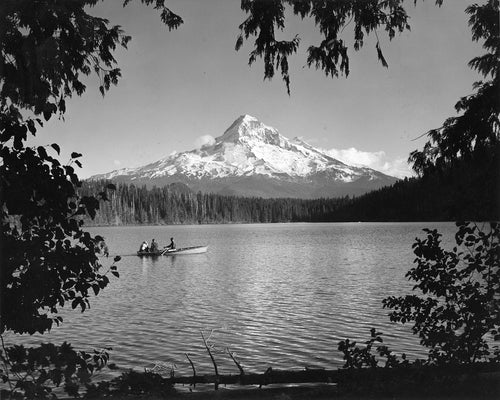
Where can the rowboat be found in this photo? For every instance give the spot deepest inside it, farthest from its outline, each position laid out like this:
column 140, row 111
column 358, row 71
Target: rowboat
column 179, row 251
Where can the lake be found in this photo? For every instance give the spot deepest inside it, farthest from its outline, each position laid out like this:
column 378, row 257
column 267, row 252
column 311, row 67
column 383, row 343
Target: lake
column 279, row 295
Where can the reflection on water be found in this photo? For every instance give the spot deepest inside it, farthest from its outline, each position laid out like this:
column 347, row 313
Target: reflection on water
column 148, row 262
column 279, row 295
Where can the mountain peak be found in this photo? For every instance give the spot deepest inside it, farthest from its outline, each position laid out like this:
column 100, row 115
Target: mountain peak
column 247, row 128
column 250, row 153
column 244, row 119
column 247, row 118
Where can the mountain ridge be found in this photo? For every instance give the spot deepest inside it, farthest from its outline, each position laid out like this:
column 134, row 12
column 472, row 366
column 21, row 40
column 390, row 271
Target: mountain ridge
column 253, row 159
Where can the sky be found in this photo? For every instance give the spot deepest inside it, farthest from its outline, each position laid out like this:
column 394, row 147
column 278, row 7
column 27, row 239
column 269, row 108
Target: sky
column 181, row 88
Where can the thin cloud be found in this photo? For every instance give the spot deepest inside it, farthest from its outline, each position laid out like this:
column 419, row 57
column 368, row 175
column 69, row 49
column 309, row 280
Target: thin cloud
column 205, row 140
column 377, row 160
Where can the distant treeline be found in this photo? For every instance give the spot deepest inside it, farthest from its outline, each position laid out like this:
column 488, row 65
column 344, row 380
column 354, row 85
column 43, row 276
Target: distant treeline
column 464, row 194
column 175, row 204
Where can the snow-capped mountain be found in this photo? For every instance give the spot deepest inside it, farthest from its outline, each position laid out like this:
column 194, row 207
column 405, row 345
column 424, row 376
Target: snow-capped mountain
column 252, row 159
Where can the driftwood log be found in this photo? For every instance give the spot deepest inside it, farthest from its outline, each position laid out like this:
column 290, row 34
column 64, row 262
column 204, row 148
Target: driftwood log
column 269, row 377
column 408, row 375
column 404, row 376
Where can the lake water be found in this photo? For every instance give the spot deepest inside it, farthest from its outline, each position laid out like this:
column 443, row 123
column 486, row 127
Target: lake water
column 279, row 295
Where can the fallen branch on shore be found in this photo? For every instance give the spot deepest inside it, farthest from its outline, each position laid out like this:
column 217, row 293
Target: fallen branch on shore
column 396, row 375
column 271, row 376
column 478, row 380
column 379, row 376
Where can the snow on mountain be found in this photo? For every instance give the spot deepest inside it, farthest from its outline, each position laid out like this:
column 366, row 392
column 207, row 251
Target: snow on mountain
column 250, row 149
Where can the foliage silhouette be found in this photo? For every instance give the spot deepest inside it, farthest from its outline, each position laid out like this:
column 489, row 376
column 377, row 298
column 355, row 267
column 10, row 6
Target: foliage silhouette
column 474, row 135
column 360, row 357
column 460, row 307
column 462, row 285
column 46, row 259
column 331, row 18
column 35, row 371
column 131, row 383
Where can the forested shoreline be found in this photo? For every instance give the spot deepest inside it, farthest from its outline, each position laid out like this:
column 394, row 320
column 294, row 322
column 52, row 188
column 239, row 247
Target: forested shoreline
column 463, row 194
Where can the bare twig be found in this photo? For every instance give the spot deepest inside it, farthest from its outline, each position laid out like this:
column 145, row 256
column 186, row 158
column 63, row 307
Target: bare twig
column 216, row 383
column 242, row 372
column 194, row 370
column 6, row 363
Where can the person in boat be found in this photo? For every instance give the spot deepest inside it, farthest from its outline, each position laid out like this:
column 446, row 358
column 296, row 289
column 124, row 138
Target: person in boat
column 171, row 246
column 154, row 246
column 144, row 246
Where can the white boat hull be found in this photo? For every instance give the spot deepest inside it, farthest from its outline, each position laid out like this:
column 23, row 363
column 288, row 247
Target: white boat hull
column 179, row 251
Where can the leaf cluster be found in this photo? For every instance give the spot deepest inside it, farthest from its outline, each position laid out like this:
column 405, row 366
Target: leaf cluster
column 360, row 357
column 47, row 47
column 131, row 383
column 47, row 259
column 457, row 315
column 168, row 17
column 331, row 17
column 34, row 372
column 475, row 132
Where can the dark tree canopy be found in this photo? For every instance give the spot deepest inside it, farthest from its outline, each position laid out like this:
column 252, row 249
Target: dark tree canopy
column 332, row 17
column 48, row 46
column 473, row 136
column 47, row 260
column 458, row 306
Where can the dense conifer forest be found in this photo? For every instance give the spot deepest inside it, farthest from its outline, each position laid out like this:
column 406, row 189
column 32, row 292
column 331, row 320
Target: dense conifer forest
column 463, row 193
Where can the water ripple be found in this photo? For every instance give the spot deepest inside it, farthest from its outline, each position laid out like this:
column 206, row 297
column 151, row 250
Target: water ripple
column 276, row 295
